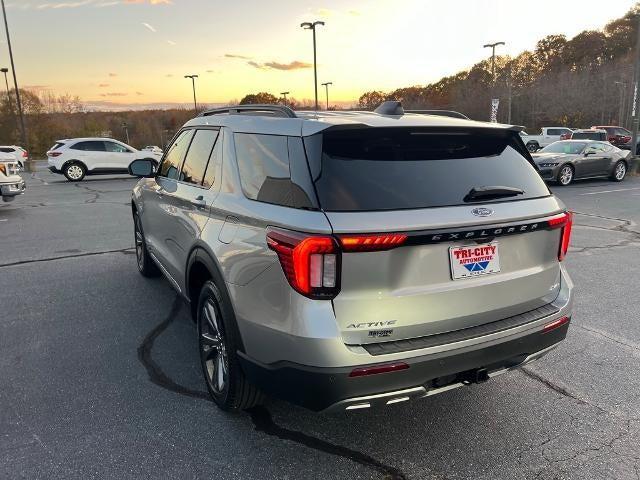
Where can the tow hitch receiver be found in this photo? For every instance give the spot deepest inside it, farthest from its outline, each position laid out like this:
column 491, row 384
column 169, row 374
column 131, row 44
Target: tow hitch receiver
column 475, row 376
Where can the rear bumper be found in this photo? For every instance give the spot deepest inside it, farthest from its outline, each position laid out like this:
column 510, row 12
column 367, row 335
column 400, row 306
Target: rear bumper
column 332, row 389
column 10, row 190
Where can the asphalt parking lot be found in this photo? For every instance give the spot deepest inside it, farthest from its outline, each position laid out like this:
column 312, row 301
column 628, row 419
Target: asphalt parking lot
column 99, row 374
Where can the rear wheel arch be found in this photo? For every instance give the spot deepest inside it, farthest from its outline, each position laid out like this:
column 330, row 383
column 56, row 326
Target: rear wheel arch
column 203, row 266
column 73, row 160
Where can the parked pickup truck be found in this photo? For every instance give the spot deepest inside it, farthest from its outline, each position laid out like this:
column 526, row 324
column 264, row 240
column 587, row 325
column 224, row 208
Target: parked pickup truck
column 11, row 184
column 547, row 136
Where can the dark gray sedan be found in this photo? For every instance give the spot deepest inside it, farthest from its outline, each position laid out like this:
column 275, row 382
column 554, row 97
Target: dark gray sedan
column 569, row 160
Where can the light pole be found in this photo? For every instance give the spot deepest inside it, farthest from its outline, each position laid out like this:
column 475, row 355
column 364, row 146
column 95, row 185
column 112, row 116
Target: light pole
column 492, row 46
column 312, row 26
column 636, row 82
column 23, row 131
column 326, row 87
column 623, row 86
column 126, row 131
column 193, row 82
column 6, row 81
column 284, row 95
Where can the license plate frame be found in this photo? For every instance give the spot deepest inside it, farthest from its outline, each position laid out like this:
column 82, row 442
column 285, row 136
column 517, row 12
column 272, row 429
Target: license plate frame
column 471, row 261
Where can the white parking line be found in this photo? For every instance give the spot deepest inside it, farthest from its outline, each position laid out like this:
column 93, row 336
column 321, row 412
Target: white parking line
column 3, row 219
column 610, row 191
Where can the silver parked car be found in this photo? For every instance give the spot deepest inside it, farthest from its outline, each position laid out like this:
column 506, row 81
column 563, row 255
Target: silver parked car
column 569, row 160
column 343, row 260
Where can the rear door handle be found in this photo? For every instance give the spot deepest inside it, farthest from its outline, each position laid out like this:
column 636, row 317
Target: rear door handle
column 199, row 202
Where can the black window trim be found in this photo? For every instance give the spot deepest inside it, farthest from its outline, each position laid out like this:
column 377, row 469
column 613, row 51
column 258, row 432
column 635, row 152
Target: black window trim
column 194, row 128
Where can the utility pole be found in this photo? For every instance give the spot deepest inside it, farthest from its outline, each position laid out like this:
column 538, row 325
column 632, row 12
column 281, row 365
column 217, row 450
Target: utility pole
column 493, row 46
column 284, row 95
column 636, row 79
column 193, row 82
column 30, row 167
column 326, row 86
column 312, row 26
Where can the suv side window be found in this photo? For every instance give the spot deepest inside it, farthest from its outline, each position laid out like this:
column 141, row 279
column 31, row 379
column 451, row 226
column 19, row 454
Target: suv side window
column 197, row 159
column 115, row 147
column 554, row 131
column 263, row 162
column 172, row 161
column 91, row 146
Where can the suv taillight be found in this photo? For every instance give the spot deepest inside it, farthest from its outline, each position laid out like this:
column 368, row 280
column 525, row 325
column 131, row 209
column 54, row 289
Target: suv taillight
column 564, row 221
column 54, row 154
column 311, row 263
column 25, row 154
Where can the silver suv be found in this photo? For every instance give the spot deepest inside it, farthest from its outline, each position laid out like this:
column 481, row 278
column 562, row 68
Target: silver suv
column 343, row 260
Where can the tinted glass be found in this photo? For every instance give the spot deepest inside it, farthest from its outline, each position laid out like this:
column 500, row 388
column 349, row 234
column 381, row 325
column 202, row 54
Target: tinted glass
column 198, row 156
column 587, row 136
column 172, row 161
column 91, row 146
column 393, row 168
column 7, row 150
column 115, row 147
column 554, row 131
column 564, row 147
column 263, row 162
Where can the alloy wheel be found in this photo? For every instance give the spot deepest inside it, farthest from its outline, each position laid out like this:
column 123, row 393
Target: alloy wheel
column 566, row 175
column 212, row 348
column 621, row 171
column 74, row 172
column 139, row 243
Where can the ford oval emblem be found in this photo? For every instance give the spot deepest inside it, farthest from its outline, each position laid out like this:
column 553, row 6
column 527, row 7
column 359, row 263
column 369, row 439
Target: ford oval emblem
column 482, row 212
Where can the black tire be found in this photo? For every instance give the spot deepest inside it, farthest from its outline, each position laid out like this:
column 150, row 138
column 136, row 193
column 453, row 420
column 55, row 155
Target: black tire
column 565, row 175
column 74, row 171
column 146, row 266
column 226, row 383
column 619, row 171
column 533, row 147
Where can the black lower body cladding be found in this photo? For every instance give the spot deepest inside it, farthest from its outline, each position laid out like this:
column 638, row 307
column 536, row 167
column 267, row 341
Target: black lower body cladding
column 319, row 388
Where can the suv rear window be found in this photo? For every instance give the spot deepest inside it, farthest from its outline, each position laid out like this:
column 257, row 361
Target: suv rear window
column 364, row 169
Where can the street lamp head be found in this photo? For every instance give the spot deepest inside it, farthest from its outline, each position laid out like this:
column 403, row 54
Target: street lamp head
column 310, row 25
column 284, row 93
column 326, row 83
column 4, row 70
column 191, row 76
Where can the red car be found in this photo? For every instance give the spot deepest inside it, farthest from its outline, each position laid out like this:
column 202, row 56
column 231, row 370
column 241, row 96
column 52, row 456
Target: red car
column 617, row 136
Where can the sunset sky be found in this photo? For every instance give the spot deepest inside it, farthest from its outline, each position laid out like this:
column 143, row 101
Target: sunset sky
column 137, row 51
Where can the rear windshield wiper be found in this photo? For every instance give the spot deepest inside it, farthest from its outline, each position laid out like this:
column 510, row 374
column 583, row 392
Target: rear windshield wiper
column 489, row 193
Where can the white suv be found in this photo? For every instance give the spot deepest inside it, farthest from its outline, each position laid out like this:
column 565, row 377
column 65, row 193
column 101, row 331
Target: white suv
column 19, row 154
column 77, row 157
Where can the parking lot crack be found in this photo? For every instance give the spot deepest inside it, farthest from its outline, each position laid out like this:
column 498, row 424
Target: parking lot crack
column 154, row 371
column 263, row 422
column 126, row 251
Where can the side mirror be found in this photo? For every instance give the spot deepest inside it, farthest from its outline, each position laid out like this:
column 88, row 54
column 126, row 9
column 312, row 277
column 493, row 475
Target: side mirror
column 144, row 168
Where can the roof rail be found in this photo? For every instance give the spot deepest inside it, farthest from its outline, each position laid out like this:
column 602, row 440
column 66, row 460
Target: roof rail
column 257, row 109
column 440, row 113
column 390, row 107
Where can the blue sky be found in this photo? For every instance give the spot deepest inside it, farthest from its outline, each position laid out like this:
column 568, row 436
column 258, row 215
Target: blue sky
column 137, row 51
